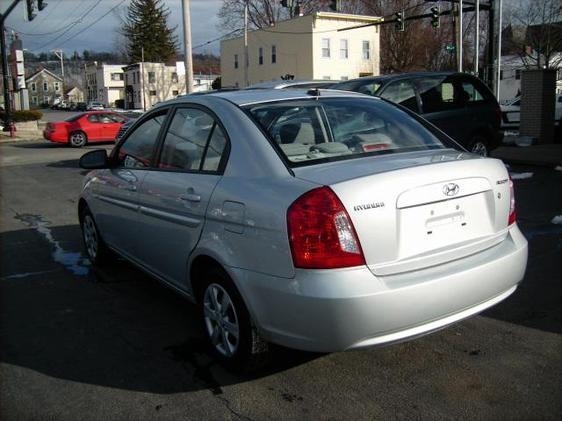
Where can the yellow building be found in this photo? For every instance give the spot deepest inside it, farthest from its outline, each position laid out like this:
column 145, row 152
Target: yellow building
column 307, row 47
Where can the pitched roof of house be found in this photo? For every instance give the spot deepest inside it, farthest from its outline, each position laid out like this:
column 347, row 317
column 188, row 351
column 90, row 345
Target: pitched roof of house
column 34, row 75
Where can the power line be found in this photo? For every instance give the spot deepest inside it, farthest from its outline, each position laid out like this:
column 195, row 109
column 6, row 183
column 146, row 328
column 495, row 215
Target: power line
column 217, row 39
column 93, row 23
column 70, row 26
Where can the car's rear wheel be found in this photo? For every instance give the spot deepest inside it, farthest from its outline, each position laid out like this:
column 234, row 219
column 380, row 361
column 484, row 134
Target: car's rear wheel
column 479, row 145
column 77, row 139
column 97, row 251
column 232, row 337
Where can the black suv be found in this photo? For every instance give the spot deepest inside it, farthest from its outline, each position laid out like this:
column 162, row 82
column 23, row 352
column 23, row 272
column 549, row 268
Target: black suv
column 458, row 103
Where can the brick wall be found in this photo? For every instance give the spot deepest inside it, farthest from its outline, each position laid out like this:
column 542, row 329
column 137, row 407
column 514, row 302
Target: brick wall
column 537, row 104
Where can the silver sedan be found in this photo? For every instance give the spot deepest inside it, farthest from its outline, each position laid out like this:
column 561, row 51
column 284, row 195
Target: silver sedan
column 317, row 220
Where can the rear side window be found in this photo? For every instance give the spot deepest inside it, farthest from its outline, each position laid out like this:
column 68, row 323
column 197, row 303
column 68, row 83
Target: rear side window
column 93, row 118
column 472, row 94
column 313, row 131
column 439, row 94
column 194, row 142
column 403, row 93
column 136, row 151
column 368, row 87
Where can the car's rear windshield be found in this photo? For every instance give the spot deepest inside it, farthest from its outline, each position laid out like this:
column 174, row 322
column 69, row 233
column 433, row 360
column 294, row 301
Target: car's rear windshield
column 74, row 117
column 312, row 131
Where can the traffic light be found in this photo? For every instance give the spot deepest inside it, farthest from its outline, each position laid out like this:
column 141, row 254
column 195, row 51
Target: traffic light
column 333, row 5
column 30, row 9
column 435, row 12
column 399, row 21
column 41, row 5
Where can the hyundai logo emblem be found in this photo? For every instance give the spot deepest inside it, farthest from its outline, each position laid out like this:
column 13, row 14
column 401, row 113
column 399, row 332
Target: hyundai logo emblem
column 451, row 189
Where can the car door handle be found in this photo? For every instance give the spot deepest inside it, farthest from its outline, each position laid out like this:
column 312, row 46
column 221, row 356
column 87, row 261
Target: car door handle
column 190, row 197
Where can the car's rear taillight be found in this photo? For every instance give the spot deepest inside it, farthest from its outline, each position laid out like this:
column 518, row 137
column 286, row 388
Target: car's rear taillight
column 321, row 233
column 512, row 214
column 498, row 111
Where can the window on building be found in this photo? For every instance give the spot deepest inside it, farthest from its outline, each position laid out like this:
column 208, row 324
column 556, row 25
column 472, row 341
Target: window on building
column 326, row 47
column 260, row 55
column 343, row 49
column 501, row 74
column 326, row 78
column 176, row 92
column 273, row 54
column 134, row 79
column 152, row 93
column 236, row 61
column 151, row 77
column 33, row 87
column 57, row 86
column 47, row 99
column 45, row 86
column 126, row 80
column 174, row 77
column 518, row 74
column 34, row 100
column 117, row 76
column 366, row 50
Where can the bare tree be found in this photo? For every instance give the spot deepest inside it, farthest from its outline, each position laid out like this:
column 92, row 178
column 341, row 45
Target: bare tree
column 541, row 46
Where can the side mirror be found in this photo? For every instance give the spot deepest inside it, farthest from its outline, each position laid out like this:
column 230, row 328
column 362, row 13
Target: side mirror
column 94, row 160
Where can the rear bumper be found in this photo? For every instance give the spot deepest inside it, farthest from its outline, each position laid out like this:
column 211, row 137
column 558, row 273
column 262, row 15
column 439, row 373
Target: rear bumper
column 52, row 137
column 335, row 310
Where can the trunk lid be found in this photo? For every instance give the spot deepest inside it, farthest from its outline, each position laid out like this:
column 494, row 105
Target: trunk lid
column 416, row 210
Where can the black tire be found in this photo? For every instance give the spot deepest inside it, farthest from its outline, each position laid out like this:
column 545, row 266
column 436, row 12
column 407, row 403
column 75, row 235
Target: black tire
column 96, row 250
column 77, row 139
column 248, row 351
column 479, row 145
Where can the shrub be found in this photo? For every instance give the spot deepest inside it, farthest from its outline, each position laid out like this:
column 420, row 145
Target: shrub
column 23, row 115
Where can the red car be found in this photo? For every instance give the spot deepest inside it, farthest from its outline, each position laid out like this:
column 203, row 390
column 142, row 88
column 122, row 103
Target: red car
column 93, row 126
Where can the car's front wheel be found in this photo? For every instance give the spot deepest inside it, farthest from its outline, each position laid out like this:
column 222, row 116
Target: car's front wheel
column 479, row 146
column 231, row 335
column 77, row 139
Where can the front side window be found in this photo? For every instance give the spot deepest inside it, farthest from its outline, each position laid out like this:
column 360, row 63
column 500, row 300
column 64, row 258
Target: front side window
column 366, row 50
column 137, row 149
column 194, row 142
column 326, row 47
column 403, row 93
column 313, row 131
column 343, row 49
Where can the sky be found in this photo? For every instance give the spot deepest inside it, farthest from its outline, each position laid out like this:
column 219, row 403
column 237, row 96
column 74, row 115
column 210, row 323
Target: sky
column 59, row 25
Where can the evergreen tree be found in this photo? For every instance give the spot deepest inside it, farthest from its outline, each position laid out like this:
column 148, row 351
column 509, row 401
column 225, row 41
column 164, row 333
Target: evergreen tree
column 146, row 26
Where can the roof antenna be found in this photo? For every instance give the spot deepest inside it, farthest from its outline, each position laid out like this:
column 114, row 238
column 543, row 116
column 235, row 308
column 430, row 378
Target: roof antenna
column 314, row 91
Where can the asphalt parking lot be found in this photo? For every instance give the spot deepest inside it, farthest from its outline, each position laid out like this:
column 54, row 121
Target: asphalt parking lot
column 82, row 343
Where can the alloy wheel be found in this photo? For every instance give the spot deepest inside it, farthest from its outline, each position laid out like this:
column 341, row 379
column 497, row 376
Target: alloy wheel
column 77, row 139
column 479, row 148
column 90, row 237
column 221, row 320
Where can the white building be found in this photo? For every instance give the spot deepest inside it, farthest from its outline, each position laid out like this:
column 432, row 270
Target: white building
column 104, row 83
column 510, row 76
column 149, row 83
column 307, row 47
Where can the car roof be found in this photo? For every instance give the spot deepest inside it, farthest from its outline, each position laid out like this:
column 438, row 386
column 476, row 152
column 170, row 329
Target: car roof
column 253, row 96
column 395, row 76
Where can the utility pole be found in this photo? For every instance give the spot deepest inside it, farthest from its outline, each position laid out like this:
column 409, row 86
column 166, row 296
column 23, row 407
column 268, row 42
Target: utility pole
column 188, row 60
column 5, row 78
column 60, row 54
column 246, row 60
column 460, row 35
column 477, row 40
column 498, row 75
column 142, row 80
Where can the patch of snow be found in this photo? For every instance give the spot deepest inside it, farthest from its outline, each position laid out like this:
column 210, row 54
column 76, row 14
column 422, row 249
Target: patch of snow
column 524, row 141
column 557, row 220
column 558, row 168
column 521, row 175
